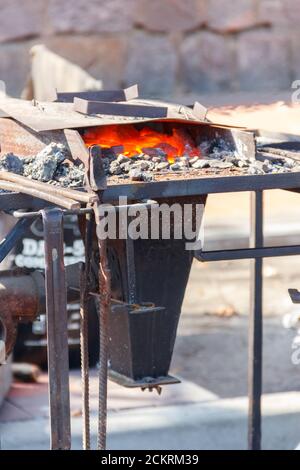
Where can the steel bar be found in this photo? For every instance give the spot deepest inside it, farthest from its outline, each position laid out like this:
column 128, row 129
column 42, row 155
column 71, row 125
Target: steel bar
column 29, row 215
column 16, row 233
column 99, row 95
column 57, row 200
column 196, row 186
column 53, row 190
column 57, row 330
column 171, row 188
column 255, row 326
column 119, row 109
column 248, row 253
column 20, row 214
column 104, row 285
column 84, row 351
column 104, row 307
column 280, row 152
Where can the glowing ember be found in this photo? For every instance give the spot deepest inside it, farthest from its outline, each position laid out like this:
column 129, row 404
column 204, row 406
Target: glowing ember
column 175, row 144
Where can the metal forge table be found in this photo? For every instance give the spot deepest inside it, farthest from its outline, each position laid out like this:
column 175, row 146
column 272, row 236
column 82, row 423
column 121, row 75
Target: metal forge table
column 55, row 280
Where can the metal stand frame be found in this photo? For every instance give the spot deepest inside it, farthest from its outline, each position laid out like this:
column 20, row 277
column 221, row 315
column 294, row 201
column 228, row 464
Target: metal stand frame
column 57, row 318
column 256, row 253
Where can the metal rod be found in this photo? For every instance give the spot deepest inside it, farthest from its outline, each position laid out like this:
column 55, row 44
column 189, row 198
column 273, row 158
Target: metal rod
column 29, row 215
column 84, row 350
column 57, row 330
column 104, row 284
column 53, row 190
column 86, row 210
column 105, row 295
column 16, row 233
column 255, row 326
column 248, row 253
column 59, row 201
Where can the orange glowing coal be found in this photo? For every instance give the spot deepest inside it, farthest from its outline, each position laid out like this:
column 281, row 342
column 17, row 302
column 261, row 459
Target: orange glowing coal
column 134, row 141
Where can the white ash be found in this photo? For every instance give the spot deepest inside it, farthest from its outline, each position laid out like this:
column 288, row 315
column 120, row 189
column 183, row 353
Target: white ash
column 162, row 166
column 142, row 165
column 46, row 162
column 70, row 176
column 122, row 158
column 48, row 166
column 193, row 160
column 136, row 174
column 222, row 165
column 11, row 162
column 200, row 163
column 183, row 161
column 115, row 168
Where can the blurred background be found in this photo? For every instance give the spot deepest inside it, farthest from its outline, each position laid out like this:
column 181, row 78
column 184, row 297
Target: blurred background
column 169, row 47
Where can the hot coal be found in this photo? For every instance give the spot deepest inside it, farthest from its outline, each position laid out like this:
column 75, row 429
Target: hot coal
column 112, row 152
column 49, row 166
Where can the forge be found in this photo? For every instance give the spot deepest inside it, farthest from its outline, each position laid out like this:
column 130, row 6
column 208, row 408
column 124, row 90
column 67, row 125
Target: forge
column 158, row 155
column 152, row 163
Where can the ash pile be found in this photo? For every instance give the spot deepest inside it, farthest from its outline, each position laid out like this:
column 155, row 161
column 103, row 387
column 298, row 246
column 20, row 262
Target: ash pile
column 214, row 156
column 50, row 166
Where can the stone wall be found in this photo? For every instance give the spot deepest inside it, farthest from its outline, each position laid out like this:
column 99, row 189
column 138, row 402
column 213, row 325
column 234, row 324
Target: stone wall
column 168, row 46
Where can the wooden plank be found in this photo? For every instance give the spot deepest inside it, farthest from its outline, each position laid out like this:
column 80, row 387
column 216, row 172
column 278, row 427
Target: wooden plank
column 119, row 109
column 99, row 95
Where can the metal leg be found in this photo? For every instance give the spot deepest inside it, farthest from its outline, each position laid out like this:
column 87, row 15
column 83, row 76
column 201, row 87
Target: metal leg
column 255, row 326
column 84, row 350
column 57, row 334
